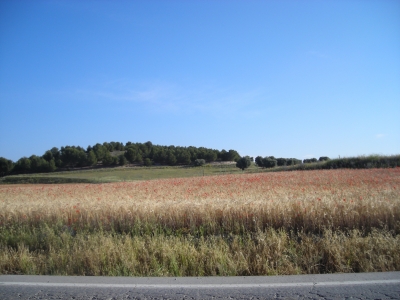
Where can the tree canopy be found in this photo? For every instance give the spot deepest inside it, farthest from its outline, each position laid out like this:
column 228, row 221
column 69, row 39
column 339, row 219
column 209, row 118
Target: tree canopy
column 113, row 154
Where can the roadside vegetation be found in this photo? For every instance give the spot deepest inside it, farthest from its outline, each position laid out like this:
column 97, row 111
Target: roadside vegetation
column 321, row 221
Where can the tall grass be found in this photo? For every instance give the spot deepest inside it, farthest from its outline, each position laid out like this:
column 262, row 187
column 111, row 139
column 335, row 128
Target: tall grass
column 250, row 224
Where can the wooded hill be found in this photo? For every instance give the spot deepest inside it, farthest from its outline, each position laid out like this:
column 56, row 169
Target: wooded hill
column 113, row 154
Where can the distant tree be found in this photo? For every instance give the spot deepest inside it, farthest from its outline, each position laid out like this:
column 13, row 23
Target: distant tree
column 309, row 160
column 243, row 162
column 139, row 158
column 122, row 161
column 48, row 155
column 23, row 165
column 231, row 155
column 38, row 164
column 52, row 166
column 6, row 166
column 171, row 159
column 130, row 155
column 269, row 162
column 107, row 159
column 222, row 155
column 293, row 161
column 281, row 161
column 184, row 157
column 199, row 162
column 91, row 158
column 115, row 160
column 324, row 158
column 210, row 156
column 259, row 161
column 100, row 151
column 147, row 162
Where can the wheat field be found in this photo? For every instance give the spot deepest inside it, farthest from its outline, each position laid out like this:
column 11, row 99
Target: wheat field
column 249, row 224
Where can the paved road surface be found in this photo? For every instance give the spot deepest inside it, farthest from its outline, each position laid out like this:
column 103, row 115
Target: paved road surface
column 336, row 286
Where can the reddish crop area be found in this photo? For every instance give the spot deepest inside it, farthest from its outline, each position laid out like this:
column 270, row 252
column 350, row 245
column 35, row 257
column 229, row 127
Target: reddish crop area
column 319, row 210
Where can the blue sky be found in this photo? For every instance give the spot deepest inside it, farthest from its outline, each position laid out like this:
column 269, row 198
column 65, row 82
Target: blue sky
column 285, row 78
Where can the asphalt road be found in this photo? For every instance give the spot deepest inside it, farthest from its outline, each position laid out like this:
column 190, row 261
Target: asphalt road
column 330, row 286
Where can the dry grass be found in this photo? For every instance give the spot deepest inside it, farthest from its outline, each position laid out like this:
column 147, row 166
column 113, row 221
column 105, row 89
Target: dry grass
column 251, row 224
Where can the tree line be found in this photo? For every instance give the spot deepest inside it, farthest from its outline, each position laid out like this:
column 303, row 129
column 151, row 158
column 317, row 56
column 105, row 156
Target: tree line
column 324, row 162
column 271, row 161
column 113, row 154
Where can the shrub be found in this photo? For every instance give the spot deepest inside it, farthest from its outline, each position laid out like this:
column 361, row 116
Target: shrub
column 147, row 162
column 269, row 162
column 243, row 163
column 199, row 162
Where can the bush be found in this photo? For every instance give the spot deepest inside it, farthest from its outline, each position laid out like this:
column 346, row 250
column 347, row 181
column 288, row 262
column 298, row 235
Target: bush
column 309, row 160
column 269, row 162
column 147, row 162
column 324, row 158
column 199, row 162
column 122, row 160
column 243, row 163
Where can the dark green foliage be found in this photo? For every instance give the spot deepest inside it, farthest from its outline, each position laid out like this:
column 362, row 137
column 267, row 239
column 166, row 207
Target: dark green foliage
column 259, row 161
column 130, row 155
column 324, row 158
column 309, row 160
column 231, row 155
column 362, row 162
column 243, row 162
column 293, row 161
column 72, row 157
column 115, row 161
column 139, row 158
column 171, row 159
column 108, row 160
column 199, row 162
column 6, row 166
column 147, row 162
column 184, row 157
column 281, row 161
column 91, row 158
column 100, row 151
column 22, row 166
column 269, row 162
column 122, row 161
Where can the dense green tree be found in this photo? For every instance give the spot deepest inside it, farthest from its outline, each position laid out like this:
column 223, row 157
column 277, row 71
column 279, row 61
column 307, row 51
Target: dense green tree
column 130, row 155
column 48, row 155
column 281, row 161
column 199, row 162
column 115, row 160
column 23, row 165
column 184, row 157
column 231, row 155
column 324, row 158
column 122, row 161
column 171, row 159
column 269, row 162
column 91, row 158
column 72, row 156
column 100, row 151
column 211, row 156
column 259, row 161
column 139, row 158
column 147, row 162
column 309, row 160
column 6, row 166
column 243, row 162
column 107, row 159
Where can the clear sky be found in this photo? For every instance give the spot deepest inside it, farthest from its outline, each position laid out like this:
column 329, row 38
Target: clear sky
column 284, row 78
